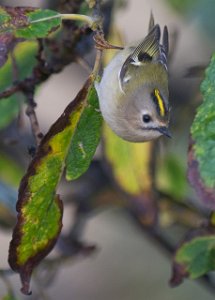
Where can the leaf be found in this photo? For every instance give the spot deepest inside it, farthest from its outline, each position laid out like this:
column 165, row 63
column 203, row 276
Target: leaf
column 201, row 161
column 203, row 128
column 129, row 162
column 171, row 176
column 39, row 209
column 19, row 23
column 207, row 195
column 84, row 142
column 129, row 165
column 195, row 256
column 28, row 22
column 24, row 54
column 25, row 61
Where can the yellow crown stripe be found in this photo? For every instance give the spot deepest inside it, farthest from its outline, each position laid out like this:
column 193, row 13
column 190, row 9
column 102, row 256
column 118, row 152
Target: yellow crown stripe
column 160, row 102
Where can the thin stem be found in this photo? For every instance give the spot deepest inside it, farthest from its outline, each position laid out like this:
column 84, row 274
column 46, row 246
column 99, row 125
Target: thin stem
column 77, row 17
column 29, row 93
column 74, row 17
column 33, row 118
column 10, row 91
column 97, row 63
column 83, row 63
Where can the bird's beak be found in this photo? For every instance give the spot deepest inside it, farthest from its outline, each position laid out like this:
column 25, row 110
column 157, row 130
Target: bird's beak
column 165, row 131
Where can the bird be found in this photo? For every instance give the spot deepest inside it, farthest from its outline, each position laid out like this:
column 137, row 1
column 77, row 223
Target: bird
column 133, row 91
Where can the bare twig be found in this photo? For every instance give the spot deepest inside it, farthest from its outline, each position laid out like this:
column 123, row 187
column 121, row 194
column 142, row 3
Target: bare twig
column 83, row 63
column 99, row 38
column 29, row 93
column 97, row 63
column 10, row 91
column 30, row 112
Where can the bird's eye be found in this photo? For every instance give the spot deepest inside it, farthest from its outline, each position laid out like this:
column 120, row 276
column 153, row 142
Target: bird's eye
column 146, row 118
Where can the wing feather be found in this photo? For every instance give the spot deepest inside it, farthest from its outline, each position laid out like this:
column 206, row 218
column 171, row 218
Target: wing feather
column 149, row 50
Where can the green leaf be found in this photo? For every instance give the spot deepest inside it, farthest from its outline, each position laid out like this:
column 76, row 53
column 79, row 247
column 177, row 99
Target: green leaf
column 171, row 176
column 203, row 129
column 130, row 166
column 198, row 256
column 25, row 61
column 28, row 22
column 129, row 162
column 195, row 256
column 201, row 157
column 24, row 54
column 39, row 209
column 85, row 139
column 38, row 26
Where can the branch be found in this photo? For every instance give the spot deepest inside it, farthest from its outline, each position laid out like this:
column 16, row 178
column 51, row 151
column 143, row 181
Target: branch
column 10, row 91
column 31, row 104
column 62, row 47
column 30, row 112
column 61, row 53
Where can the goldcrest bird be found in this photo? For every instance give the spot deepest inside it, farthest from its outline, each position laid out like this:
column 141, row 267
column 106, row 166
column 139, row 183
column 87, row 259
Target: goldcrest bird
column 133, row 91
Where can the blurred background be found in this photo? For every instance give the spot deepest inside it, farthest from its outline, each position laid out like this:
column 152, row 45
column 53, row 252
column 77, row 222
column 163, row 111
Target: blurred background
column 128, row 264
